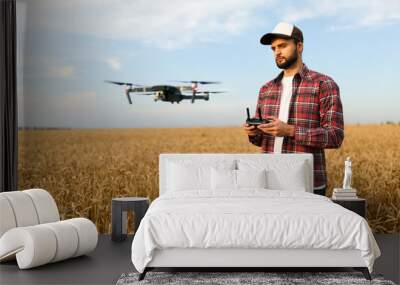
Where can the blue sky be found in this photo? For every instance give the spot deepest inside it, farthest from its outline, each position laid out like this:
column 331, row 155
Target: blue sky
column 67, row 48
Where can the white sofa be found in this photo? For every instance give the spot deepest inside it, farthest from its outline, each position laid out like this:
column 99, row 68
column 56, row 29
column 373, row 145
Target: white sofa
column 31, row 231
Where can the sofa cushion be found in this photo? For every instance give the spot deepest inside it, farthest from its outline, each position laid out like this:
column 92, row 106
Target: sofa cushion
column 46, row 207
column 7, row 220
column 26, row 208
column 23, row 208
column 40, row 244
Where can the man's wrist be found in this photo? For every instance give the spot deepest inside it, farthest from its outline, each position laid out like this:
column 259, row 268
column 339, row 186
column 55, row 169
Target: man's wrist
column 291, row 131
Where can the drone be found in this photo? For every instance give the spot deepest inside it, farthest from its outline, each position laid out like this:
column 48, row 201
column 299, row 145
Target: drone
column 169, row 93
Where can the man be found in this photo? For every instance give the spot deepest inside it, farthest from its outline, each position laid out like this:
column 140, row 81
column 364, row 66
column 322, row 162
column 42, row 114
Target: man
column 304, row 106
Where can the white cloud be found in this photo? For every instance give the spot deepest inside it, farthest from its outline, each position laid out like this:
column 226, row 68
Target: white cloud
column 346, row 14
column 114, row 63
column 176, row 23
column 166, row 24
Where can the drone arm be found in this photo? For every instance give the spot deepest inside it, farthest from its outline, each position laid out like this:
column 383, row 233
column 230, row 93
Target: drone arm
column 138, row 89
column 193, row 95
column 128, row 96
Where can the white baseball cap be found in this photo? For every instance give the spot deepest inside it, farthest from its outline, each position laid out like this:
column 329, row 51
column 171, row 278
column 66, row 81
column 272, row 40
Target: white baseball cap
column 282, row 30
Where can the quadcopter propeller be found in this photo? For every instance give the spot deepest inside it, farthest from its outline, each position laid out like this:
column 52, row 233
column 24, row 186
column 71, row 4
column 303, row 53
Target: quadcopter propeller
column 122, row 83
column 200, row 82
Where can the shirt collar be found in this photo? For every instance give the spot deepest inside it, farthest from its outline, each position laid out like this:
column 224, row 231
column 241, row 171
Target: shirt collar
column 303, row 73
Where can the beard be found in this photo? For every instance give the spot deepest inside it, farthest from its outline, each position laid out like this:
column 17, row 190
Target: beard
column 288, row 62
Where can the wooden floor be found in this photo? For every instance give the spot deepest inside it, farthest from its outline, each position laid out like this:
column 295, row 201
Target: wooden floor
column 111, row 259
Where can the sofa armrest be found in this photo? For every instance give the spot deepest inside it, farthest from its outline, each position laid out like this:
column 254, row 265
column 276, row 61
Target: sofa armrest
column 40, row 244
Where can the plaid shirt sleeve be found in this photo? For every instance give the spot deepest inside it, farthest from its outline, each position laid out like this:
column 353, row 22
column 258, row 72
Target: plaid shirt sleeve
column 330, row 134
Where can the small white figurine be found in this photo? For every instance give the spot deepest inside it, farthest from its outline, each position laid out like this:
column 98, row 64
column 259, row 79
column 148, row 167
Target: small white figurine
column 347, row 174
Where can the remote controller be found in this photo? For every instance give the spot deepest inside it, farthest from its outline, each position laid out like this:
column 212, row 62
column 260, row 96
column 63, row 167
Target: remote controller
column 255, row 122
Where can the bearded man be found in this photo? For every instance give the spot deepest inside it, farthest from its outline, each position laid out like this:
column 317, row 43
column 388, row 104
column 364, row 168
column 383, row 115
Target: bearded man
column 303, row 105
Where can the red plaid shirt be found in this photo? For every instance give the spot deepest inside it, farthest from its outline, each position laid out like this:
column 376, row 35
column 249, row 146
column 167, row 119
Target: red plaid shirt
column 316, row 112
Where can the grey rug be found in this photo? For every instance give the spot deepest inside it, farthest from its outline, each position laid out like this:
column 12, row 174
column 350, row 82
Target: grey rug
column 229, row 278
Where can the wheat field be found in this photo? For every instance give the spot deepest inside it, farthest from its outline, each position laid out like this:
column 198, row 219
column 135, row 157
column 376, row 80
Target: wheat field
column 85, row 168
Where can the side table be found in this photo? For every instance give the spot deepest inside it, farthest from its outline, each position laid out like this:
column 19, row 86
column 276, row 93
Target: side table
column 357, row 205
column 119, row 215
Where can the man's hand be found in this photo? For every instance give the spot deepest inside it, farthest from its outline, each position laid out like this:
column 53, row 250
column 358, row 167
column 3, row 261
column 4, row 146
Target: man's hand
column 277, row 128
column 251, row 130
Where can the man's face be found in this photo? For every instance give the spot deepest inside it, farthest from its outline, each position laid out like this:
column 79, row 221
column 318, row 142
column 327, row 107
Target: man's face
column 285, row 52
